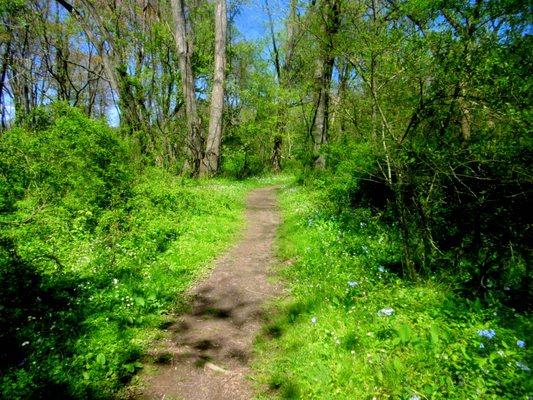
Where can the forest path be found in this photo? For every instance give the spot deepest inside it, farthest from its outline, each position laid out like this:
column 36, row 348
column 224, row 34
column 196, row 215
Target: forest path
column 210, row 347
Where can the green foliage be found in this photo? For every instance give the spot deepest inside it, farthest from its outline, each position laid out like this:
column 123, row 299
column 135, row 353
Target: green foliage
column 335, row 338
column 91, row 259
column 62, row 156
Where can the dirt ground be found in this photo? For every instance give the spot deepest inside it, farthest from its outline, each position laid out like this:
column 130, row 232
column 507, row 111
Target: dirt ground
column 210, row 348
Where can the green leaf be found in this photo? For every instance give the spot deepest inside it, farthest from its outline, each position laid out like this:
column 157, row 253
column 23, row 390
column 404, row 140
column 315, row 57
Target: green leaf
column 100, row 359
column 434, row 335
column 404, row 332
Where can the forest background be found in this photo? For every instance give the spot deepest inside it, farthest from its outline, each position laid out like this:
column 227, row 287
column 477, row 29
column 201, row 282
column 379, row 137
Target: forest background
column 410, row 117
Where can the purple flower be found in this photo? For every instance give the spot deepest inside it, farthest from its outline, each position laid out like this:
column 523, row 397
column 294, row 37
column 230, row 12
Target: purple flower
column 521, row 343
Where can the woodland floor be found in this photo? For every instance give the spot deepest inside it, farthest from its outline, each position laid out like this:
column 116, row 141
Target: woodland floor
column 208, row 351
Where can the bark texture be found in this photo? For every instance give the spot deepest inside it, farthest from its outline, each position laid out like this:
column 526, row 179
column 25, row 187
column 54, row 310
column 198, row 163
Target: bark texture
column 209, row 165
column 193, row 148
column 329, row 25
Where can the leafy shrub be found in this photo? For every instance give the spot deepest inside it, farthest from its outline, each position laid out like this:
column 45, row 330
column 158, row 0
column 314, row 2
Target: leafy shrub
column 354, row 329
column 93, row 254
column 241, row 163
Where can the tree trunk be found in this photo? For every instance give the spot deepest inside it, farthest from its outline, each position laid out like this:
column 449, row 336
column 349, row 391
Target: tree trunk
column 193, row 146
column 209, row 165
column 329, row 10
column 3, row 79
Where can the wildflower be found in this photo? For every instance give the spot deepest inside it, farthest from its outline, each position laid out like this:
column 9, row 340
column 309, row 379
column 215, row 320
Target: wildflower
column 353, row 283
column 115, row 281
column 381, row 268
column 313, row 320
column 481, row 346
column 487, row 333
column 522, row 366
column 414, row 397
column 385, row 312
column 521, row 343
column 362, row 224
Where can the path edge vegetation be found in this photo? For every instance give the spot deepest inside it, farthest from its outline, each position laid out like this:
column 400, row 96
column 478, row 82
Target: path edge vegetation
column 410, row 116
column 97, row 253
column 350, row 326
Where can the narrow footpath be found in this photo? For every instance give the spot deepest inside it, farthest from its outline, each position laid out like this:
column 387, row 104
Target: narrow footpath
column 211, row 346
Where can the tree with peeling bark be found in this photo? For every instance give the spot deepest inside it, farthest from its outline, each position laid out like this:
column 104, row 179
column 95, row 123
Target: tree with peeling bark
column 210, row 161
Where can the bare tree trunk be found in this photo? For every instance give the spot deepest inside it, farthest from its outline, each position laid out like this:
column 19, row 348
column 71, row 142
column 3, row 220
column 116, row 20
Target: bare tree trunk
column 3, row 78
column 193, row 146
column 324, row 69
column 209, row 163
column 275, row 159
column 466, row 118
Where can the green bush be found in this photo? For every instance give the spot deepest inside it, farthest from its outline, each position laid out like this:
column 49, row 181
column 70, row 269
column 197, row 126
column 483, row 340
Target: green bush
column 62, row 156
column 93, row 254
column 354, row 329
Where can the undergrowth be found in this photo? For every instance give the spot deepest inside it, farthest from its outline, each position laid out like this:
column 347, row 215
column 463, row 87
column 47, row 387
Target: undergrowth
column 84, row 324
column 354, row 329
column 94, row 254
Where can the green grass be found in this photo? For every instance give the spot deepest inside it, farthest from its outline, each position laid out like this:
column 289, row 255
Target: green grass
column 108, row 281
column 328, row 341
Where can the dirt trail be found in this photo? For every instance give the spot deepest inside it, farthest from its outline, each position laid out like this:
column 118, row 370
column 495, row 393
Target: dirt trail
column 211, row 346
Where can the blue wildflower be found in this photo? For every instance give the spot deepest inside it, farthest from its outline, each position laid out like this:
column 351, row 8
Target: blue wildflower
column 414, row 397
column 487, row 333
column 521, row 343
column 381, row 268
column 386, row 312
column 522, row 366
column 353, row 283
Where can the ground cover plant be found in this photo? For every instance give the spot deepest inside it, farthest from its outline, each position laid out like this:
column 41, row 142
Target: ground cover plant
column 128, row 128
column 94, row 256
column 354, row 328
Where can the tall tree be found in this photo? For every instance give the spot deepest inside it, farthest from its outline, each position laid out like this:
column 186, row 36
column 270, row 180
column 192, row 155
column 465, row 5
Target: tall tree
column 329, row 21
column 210, row 161
column 193, row 146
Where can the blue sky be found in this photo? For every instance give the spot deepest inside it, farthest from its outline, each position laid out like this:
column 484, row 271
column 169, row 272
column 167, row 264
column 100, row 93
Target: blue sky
column 252, row 20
